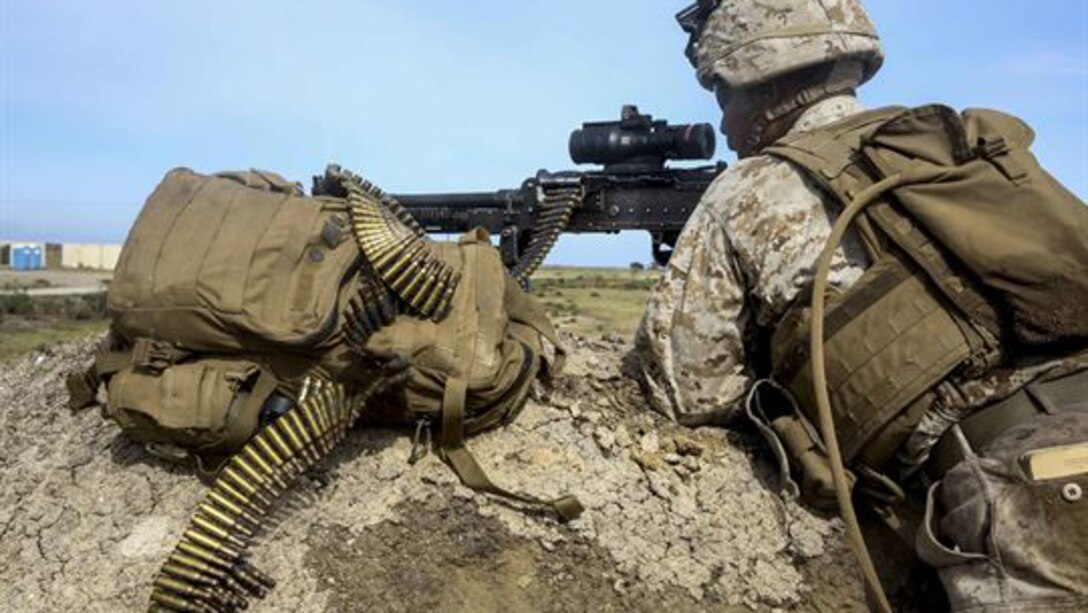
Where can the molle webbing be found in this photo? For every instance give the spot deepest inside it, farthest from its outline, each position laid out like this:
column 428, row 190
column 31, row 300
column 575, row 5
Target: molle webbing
column 215, row 264
column 832, row 158
column 889, row 339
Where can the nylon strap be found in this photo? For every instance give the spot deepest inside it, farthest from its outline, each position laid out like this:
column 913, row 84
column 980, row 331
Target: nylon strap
column 452, row 439
column 983, row 426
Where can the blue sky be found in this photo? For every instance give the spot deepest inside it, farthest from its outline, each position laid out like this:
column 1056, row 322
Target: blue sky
column 100, row 98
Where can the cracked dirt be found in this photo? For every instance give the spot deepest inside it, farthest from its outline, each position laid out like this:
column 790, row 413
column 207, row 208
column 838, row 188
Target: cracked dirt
column 677, row 519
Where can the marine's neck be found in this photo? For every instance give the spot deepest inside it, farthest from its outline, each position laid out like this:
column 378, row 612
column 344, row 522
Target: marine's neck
column 826, row 112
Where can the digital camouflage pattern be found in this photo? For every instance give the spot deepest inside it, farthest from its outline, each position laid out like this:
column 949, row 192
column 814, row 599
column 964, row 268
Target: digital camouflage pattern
column 749, row 248
column 748, row 251
column 746, row 42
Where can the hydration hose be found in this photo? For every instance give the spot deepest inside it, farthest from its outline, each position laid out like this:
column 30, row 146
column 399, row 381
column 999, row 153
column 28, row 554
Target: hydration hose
column 819, row 374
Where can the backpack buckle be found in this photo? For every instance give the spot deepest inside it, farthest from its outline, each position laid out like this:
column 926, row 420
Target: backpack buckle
column 990, row 148
column 421, row 441
column 155, row 356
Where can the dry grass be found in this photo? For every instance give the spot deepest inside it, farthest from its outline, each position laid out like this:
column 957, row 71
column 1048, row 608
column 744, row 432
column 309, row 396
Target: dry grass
column 594, row 300
column 26, row 335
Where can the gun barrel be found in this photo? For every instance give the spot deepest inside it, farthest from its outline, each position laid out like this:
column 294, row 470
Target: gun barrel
column 467, row 200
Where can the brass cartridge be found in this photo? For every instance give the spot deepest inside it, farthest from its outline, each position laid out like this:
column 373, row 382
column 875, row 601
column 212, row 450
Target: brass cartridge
column 232, row 508
column 262, row 480
column 285, row 426
column 213, row 544
column 224, row 520
column 189, row 574
column 392, row 260
column 312, row 420
column 181, row 587
column 271, row 472
column 177, row 603
column 211, row 528
column 203, row 554
column 257, row 574
column 188, row 561
column 249, row 582
column 251, row 490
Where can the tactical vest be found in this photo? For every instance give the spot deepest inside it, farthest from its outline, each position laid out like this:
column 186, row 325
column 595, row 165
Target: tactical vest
column 988, row 262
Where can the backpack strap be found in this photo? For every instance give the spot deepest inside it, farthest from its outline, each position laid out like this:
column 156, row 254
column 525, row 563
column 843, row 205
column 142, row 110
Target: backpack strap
column 452, row 438
column 151, row 355
column 454, row 451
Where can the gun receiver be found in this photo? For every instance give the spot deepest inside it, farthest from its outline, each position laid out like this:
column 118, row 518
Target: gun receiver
column 634, row 190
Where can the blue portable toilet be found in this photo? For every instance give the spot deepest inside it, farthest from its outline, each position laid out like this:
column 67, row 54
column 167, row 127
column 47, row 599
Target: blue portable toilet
column 27, row 257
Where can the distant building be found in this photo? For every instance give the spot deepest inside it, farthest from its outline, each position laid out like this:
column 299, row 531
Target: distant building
column 26, row 255
column 81, row 255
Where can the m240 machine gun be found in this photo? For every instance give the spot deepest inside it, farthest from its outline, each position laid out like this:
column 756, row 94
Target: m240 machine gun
column 633, row 191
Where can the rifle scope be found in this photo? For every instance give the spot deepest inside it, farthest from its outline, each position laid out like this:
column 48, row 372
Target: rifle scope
column 637, row 138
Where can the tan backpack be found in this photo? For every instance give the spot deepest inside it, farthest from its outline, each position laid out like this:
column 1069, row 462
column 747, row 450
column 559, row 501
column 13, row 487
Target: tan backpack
column 231, row 289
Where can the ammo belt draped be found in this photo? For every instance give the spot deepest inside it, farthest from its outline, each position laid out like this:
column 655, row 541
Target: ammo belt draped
column 208, row 571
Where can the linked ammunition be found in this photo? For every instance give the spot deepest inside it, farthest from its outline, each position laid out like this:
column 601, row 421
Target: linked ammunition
column 391, row 259
column 273, row 434
column 441, row 286
column 188, row 561
column 315, row 425
column 232, row 508
column 271, row 472
column 250, row 489
column 288, row 434
column 411, row 289
column 211, row 528
column 196, row 533
column 205, row 555
column 269, row 482
column 252, row 585
column 400, row 271
column 178, row 603
column 300, row 427
column 189, row 574
column 228, row 522
column 182, row 588
column 260, row 576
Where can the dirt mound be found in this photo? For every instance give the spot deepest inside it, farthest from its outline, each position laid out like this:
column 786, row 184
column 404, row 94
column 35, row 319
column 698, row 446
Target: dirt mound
column 676, row 519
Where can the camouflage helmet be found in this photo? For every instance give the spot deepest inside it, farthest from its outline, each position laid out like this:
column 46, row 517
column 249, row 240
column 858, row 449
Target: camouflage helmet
column 749, row 42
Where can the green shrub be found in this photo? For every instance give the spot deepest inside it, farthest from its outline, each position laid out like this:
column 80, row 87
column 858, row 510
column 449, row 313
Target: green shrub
column 16, row 304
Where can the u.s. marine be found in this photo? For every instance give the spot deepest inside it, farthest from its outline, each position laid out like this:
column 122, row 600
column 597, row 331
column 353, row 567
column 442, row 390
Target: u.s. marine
column 957, row 320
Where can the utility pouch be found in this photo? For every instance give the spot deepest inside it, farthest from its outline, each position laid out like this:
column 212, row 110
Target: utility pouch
column 803, row 464
column 210, row 406
column 809, row 460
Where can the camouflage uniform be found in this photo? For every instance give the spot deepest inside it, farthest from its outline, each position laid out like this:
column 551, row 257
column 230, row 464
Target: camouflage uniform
column 746, row 252
column 750, row 250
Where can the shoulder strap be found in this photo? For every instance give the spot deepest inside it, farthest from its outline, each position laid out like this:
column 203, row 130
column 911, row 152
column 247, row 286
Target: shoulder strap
column 452, row 439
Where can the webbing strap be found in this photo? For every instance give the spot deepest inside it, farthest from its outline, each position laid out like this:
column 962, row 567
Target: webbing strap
column 82, row 388
column 470, row 472
column 985, row 425
column 452, row 438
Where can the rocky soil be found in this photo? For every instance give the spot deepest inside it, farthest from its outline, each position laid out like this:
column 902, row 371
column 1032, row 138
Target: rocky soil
column 676, row 519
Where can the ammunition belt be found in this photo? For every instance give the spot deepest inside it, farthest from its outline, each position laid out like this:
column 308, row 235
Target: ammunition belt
column 397, row 249
column 372, row 307
column 208, row 571
column 557, row 205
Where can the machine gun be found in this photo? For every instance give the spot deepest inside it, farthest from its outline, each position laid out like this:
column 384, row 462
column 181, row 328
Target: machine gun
column 633, row 191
